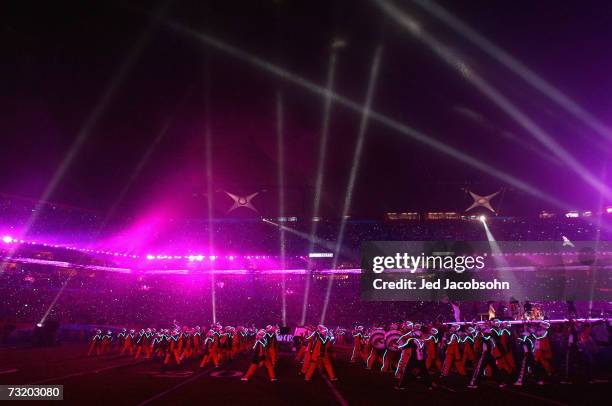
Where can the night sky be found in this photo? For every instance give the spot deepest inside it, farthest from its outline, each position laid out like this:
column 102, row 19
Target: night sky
column 59, row 60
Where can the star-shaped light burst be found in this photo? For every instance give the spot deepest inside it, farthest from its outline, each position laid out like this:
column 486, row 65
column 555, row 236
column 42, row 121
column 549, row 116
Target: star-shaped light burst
column 242, row 201
column 482, row 201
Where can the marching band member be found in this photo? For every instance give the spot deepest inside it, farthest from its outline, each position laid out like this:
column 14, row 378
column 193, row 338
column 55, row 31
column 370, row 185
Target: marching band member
column 527, row 341
column 543, row 349
column 303, row 345
column 158, row 346
column 415, row 362
column 210, row 349
column 96, row 343
column 320, row 343
column 243, row 338
column 234, row 343
column 486, row 360
column 197, row 340
column 358, row 344
column 406, row 328
column 375, row 355
column 106, row 342
column 140, row 343
column 187, row 340
column 121, row 336
column 175, row 347
column 272, row 340
column 128, row 343
column 391, row 357
column 311, row 330
column 469, row 353
column 431, row 349
column 261, row 357
column 504, row 356
column 453, row 353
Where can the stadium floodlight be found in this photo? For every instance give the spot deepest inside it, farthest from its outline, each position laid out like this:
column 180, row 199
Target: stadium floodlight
column 242, row 201
column 482, row 201
column 7, row 239
column 482, row 218
column 338, row 43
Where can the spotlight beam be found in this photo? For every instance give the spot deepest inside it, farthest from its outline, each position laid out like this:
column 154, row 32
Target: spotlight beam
column 331, row 70
column 600, row 207
column 517, row 67
column 499, row 260
column 281, row 198
column 363, row 126
column 445, row 53
column 209, row 189
column 57, row 296
column 382, row 119
column 487, row 125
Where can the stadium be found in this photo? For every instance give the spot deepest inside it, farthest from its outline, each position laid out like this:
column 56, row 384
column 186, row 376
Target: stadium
column 307, row 203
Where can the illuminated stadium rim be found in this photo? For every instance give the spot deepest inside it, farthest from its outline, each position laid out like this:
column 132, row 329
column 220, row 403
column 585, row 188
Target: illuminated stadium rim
column 201, row 257
column 191, row 257
column 76, row 267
